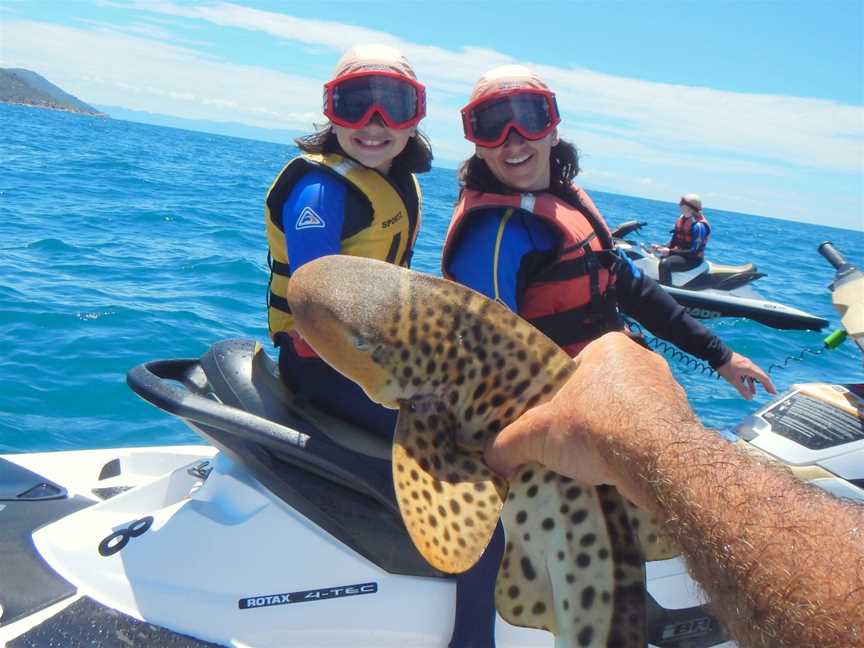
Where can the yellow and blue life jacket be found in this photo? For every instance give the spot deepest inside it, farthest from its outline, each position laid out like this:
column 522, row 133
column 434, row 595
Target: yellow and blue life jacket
column 389, row 236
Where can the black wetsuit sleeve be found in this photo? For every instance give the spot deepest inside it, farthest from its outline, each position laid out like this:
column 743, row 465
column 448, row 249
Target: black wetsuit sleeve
column 644, row 300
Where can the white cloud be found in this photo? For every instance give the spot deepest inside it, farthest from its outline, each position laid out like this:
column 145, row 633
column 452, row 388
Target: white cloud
column 154, row 31
column 311, row 32
column 104, row 66
column 807, row 132
column 630, row 129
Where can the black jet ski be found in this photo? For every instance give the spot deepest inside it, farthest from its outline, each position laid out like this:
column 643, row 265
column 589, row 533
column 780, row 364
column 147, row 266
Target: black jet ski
column 712, row 290
column 281, row 528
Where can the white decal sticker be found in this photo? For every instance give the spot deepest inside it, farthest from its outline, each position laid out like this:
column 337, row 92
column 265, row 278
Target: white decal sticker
column 249, row 602
column 308, row 218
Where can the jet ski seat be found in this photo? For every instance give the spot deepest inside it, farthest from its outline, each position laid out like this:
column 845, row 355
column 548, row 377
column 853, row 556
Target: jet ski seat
column 724, row 277
column 333, row 473
column 720, row 268
column 242, row 375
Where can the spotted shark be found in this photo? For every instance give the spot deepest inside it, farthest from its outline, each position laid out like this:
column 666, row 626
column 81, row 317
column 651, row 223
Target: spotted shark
column 459, row 367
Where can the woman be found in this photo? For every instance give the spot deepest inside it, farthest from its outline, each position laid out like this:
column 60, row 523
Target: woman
column 686, row 249
column 351, row 191
column 525, row 235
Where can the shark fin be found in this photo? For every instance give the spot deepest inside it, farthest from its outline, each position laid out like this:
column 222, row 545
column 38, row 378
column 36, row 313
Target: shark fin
column 449, row 500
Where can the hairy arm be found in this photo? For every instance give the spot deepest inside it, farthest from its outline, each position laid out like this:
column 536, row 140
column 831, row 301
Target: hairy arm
column 781, row 561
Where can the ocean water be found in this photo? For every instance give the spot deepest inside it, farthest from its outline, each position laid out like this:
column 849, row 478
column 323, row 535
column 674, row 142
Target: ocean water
column 123, row 242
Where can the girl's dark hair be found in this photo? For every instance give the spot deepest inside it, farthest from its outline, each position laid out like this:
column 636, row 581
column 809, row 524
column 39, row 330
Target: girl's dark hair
column 475, row 174
column 416, row 157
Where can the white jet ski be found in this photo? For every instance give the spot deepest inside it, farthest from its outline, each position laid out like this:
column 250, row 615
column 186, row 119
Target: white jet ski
column 282, row 529
column 820, row 426
column 712, row 290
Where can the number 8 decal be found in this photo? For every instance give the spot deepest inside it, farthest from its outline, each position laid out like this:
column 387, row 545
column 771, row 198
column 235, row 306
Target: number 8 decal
column 119, row 539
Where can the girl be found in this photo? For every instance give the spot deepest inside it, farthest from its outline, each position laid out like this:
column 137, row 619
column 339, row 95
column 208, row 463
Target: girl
column 690, row 235
column 351, row 191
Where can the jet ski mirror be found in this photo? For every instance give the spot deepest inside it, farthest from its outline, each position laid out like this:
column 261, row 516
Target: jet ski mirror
column 626, row 228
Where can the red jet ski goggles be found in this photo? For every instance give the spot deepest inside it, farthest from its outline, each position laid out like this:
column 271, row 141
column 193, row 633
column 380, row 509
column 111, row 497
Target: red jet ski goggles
column 533, row 113
column 352, row 99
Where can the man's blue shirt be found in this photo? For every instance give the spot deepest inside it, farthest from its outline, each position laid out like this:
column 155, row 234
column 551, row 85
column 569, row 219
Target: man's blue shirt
column 699, row 235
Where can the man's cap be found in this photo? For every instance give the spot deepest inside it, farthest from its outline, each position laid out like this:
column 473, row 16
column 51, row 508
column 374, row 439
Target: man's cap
column 373, row 58
column 507, row 77
column 693, row 200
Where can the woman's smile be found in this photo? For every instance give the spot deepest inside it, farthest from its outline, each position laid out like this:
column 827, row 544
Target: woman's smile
column 374, row 145
column 372, row 142
column 515, row 161
column 520, row 163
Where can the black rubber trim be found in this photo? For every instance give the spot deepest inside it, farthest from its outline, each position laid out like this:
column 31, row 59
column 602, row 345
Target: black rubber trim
column 86, row 623
column 691, row 299
column 109, row 492
column 110, row 469
column 723, row 281
column 27, row 582
column 626, row 228
column 692, row 627
column 18, row 483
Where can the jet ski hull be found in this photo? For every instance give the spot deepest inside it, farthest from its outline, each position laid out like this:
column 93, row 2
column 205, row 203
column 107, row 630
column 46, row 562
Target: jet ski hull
column 225, row 562
column 710, row 304
column 263, row 543
column 709, row 291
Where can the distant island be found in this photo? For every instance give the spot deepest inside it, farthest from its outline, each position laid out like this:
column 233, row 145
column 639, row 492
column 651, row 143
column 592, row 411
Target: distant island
column 19, row 86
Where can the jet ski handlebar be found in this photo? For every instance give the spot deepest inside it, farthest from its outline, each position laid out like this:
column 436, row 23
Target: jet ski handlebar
column 832, row 255
column 182, row 388
column 626, row 228
column 846, row 290
column 155, row 382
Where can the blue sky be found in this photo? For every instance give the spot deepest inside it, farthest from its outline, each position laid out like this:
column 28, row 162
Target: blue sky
column 755, row 105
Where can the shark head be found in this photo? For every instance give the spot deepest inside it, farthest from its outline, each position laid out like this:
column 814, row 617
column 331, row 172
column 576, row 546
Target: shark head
column 347, row 321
